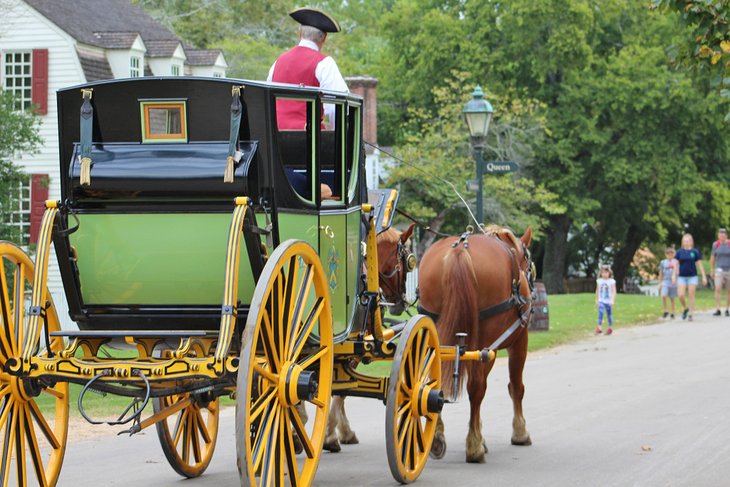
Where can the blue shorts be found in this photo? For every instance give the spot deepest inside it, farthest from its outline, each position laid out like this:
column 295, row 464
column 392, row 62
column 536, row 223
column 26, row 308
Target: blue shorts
column 688, row 280
column 669, row 290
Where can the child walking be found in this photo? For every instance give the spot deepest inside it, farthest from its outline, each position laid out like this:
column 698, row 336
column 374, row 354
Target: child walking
column 605, row 298
column 667, row 287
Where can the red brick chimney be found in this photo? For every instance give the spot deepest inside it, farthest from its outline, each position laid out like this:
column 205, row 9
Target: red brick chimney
column 366, row 86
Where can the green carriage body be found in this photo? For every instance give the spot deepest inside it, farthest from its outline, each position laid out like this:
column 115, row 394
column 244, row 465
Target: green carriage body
column 149, row 248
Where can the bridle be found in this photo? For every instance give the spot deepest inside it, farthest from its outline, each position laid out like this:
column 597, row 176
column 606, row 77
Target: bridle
column 405, row 263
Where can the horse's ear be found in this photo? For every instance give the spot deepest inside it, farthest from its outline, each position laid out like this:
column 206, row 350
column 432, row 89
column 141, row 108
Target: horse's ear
column 527, row 237
column 407, row 234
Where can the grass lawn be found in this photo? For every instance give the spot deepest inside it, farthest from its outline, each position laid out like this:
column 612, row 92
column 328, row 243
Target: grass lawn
column 573, row 317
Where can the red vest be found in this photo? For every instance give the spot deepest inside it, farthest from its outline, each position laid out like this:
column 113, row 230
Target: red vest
column 295, row 66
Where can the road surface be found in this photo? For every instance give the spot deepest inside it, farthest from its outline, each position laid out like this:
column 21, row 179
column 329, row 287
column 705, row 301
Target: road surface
column 648, row 406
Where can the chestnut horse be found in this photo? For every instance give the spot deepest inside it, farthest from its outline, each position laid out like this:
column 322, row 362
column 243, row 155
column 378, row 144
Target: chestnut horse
column 480, row 285
column 393, row 255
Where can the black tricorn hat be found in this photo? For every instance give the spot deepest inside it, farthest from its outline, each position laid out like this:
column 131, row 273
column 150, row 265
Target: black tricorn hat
column 315, row 18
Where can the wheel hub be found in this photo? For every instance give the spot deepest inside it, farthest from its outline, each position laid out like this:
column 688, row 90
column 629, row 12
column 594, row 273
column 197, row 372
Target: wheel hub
column 426, row 400
column 296, row 384
column 22, row 390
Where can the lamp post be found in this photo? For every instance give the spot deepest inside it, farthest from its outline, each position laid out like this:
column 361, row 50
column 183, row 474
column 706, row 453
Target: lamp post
column 477, row 114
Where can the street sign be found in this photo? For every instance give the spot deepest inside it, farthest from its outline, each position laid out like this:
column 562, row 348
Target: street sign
column 499, row 167
column 472, row 185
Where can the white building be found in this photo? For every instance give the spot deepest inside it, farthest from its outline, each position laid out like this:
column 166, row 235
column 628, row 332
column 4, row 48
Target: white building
column 46, row 45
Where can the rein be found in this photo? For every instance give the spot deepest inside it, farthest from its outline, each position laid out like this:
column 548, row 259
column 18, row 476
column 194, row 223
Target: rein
column 420, row 223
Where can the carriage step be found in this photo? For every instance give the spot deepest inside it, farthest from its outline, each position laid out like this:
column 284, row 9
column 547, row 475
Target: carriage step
column 134, row 333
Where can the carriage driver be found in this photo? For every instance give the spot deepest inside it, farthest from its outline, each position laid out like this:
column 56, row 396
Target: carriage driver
column 305, row 65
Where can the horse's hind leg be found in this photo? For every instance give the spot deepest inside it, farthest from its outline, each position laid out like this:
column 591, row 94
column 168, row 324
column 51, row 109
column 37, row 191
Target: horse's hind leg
column 476, row 448
column 438, row 446
column 302, row 412
column 345, row 433
column 331, row 443
column 517, row 357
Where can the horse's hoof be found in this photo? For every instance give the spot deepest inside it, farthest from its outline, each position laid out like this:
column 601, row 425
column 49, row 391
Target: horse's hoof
column 437, row 451
column 522, row 441
column 332, row 446
column 476, row 458
column 438, row 447
column 479, row 455
column 349, row 439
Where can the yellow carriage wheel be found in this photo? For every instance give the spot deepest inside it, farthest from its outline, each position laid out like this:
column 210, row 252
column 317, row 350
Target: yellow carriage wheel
column 188, row 437
column 33, row 415
column 414, row 399
column 285, row 368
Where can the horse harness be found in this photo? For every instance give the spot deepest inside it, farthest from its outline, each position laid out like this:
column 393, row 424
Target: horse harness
column 515, row 300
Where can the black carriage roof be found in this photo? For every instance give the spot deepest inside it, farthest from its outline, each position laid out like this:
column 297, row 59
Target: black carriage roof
column 117, row 114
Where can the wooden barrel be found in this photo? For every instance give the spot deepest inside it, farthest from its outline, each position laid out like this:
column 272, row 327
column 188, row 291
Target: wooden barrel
column 540, row 316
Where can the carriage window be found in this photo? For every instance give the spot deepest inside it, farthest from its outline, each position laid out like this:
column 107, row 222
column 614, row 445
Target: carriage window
column 296, row 142
column 352, row 150
column 164, row 121
column 331, row 154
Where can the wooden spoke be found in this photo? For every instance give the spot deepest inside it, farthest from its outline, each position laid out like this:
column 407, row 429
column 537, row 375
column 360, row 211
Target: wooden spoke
column 296, row 422
column 261, row 404
column 260, row 444
column 43, row 424
column 268, row 339
column 290, row 454
column 35, row 451
column 299, row 304
column 416, row 370
column 306, row 330
column 188, row 437
column 291, row 299
column 8, row 443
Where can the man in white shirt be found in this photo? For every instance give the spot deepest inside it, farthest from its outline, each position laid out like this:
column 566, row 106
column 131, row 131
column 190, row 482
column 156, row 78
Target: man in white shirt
column 306, row 65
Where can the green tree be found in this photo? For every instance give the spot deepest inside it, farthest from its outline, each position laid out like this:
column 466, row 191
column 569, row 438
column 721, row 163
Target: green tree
column 18, row 135
column 706, row 43
column 437, row 145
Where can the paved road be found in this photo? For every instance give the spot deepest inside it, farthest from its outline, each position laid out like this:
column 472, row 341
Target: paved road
column 648, row 406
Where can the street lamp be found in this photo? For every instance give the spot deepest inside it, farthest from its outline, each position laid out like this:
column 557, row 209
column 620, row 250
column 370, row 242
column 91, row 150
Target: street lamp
column 477, row 114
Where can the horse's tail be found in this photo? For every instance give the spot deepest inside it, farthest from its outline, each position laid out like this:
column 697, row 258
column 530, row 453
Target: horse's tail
column 459, row 309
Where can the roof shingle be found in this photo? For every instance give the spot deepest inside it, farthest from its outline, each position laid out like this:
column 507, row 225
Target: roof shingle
column 96, row 67
column 84, row 19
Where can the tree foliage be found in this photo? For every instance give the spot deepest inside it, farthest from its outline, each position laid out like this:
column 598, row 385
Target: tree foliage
column 706, row 45
column 18, row 135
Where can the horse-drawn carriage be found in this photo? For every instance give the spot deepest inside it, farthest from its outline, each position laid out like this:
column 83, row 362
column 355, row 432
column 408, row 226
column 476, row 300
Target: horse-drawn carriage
column 201, row 258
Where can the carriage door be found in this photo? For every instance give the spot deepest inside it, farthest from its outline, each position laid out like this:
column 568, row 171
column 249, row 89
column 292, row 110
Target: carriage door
column 339, row 220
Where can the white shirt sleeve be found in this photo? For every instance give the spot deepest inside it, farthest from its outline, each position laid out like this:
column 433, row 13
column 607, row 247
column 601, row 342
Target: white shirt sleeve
column 271, row 72
column 329, row 77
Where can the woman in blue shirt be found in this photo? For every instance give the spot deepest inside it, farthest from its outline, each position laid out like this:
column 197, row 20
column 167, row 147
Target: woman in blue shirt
column 685, row 274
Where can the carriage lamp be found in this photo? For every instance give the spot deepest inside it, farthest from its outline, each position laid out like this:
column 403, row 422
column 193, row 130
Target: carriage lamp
column 477, row 114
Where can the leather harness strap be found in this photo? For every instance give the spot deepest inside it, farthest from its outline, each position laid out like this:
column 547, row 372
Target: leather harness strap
column 236, row 111
column 516, row 300
column 86, row 133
